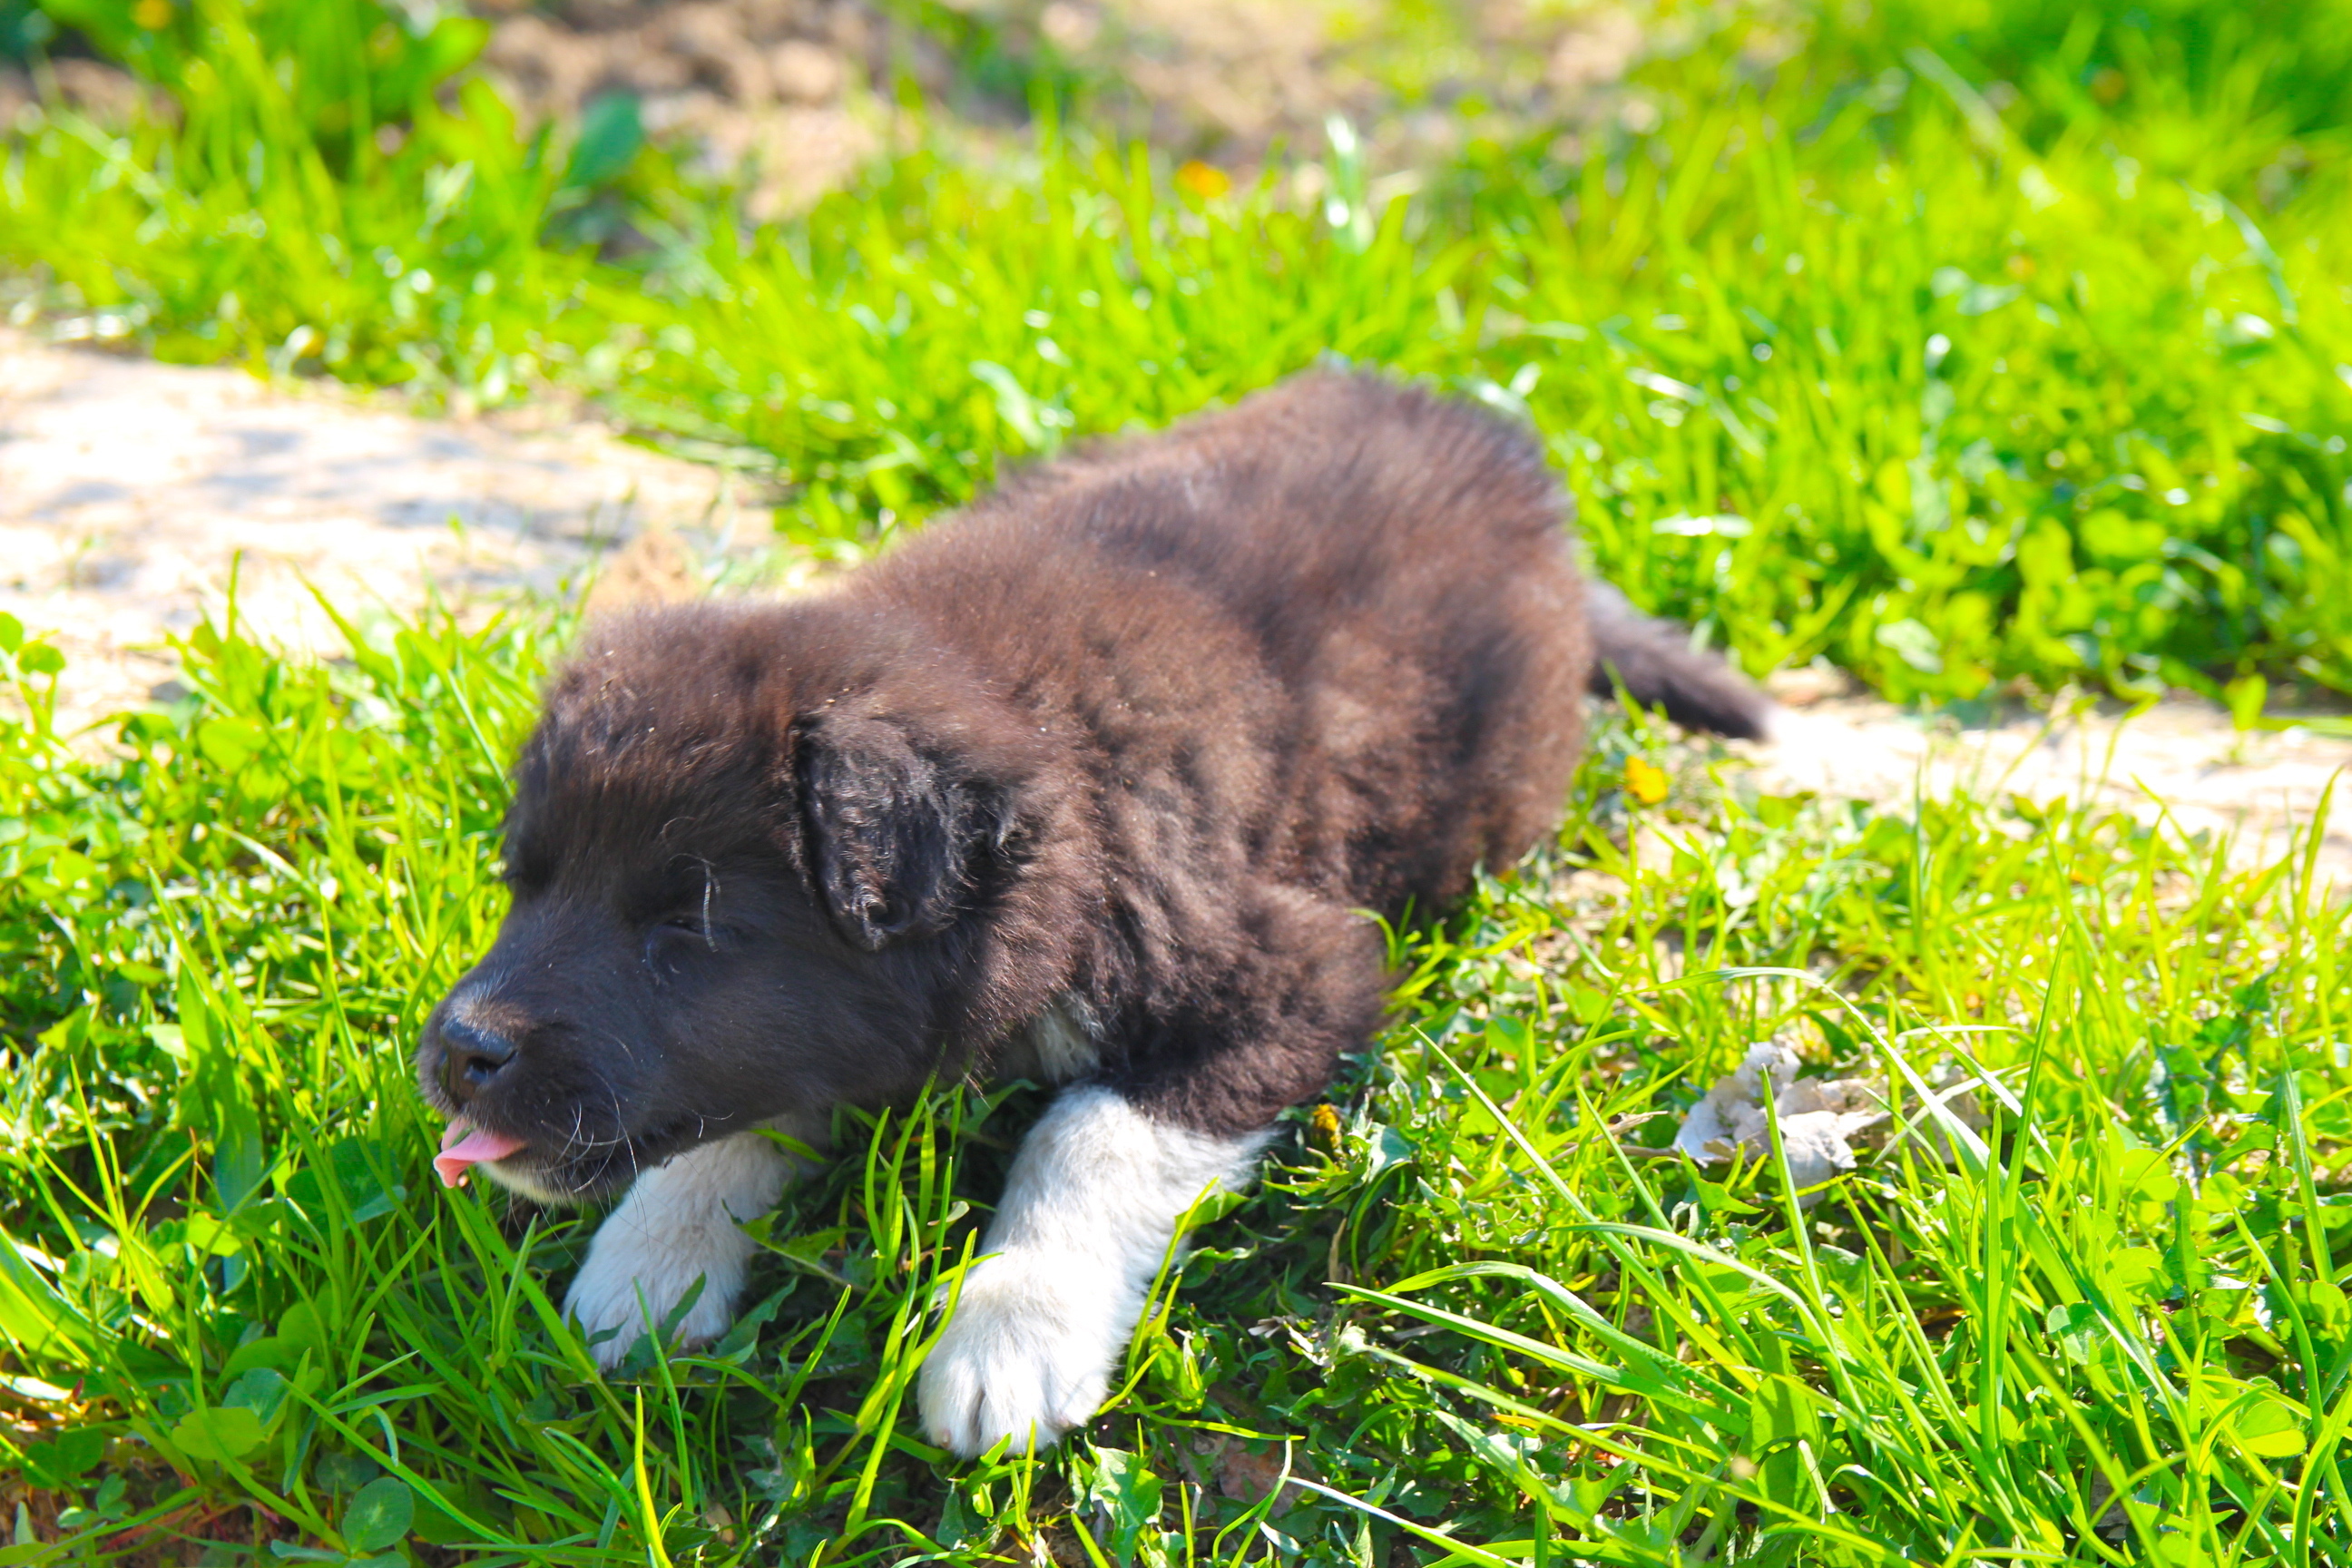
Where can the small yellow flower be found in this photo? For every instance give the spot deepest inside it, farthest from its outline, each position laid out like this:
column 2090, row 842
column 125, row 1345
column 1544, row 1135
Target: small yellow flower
column 1644, row 781
column 152, row 15
column 1206, row 181
column 1323, row 1122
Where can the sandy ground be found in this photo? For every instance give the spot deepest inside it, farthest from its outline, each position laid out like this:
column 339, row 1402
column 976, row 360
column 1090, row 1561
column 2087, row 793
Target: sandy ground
column 2182, row 760
column 128, row 492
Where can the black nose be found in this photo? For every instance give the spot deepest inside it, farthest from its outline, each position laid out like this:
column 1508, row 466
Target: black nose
column 470, row 1059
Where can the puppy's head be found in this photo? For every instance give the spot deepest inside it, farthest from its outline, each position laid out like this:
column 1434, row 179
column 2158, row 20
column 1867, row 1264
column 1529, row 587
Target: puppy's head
column 732, row 900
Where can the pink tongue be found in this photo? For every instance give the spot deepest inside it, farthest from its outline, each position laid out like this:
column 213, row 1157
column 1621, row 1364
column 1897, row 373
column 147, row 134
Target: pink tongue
column 462, row 1146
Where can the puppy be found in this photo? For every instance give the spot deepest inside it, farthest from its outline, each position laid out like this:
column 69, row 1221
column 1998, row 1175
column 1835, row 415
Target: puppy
column 1092, row 784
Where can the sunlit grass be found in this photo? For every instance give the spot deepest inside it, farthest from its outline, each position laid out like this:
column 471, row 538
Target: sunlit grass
column 1850, row 355
column 1473, row 1299
column 1846, row 357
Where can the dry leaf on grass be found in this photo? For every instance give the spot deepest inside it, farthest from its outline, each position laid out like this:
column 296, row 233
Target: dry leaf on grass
column 1822, row 1120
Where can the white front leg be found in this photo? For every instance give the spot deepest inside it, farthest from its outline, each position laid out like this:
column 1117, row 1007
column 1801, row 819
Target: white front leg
column 1086, row 1218
column 680, row 1221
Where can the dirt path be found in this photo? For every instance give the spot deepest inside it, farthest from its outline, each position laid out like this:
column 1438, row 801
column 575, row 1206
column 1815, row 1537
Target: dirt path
column 131, row 490
column 2182, row 760
column 128, row 490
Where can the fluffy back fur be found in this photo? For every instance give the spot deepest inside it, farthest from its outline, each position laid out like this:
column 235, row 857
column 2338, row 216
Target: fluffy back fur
column 1135, row 737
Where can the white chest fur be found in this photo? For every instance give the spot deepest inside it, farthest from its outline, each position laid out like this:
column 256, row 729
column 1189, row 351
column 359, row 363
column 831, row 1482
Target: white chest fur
column 1062, row 1043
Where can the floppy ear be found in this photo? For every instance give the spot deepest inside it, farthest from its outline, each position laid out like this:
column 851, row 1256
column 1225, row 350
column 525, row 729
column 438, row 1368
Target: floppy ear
column 893, row 839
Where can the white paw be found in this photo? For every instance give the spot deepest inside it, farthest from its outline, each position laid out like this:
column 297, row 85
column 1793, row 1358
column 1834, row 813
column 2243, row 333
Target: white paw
column 634, row 1277
column 1029, row 1352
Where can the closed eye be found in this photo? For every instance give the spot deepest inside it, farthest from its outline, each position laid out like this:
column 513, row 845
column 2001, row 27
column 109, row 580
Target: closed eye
column 674, row 940
column 694, row 925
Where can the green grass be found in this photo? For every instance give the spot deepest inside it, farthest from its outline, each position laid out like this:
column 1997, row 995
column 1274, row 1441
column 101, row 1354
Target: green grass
column 1475, row 1303
column 1840, row 360
column 2032, row 387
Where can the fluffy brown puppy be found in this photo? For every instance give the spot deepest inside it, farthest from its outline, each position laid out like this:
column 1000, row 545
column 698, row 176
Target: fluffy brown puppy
column 1089, row 784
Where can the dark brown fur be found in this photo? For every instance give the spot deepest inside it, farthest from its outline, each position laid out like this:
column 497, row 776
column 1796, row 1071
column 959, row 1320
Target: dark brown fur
column 1146, row 729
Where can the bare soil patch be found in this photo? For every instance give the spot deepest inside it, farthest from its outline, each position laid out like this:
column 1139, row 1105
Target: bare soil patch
column 800, row 92
column 794, row 99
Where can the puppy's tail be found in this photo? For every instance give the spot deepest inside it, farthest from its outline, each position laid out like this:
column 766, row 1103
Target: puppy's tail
column 1658, row 667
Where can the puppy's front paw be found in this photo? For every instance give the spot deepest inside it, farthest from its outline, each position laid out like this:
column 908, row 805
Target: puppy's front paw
column 634, row 1275
column 1028, row 1354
